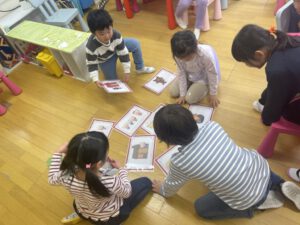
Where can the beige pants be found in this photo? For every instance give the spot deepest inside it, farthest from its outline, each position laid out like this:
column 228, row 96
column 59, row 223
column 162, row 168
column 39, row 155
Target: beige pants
column 195, row 93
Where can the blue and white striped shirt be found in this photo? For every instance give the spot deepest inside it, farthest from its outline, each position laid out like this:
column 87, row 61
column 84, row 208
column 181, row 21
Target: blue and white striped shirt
column 238, row 176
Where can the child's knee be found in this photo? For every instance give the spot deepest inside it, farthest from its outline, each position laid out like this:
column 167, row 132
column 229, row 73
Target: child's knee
column 201, row 210
column 147, row 182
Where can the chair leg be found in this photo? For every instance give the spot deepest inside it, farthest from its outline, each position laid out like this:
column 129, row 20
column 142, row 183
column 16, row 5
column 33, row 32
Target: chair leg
column 170, row 12
column 266, row 147
column 224, row 4
column 128, row 10
column 135, row 6
column 12, row 86
column 206, row 25
column 83, row 24
column 217, row 10
column 119, row 5
column 2, row 110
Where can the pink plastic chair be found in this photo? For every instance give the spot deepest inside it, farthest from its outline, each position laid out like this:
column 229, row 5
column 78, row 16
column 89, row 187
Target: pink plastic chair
column 15, row 90
column 266, row 148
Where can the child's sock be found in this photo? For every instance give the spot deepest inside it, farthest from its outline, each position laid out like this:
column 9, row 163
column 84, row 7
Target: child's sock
column 180, row 22
column 73, row 218
column 257, row 106
column 146, row 69
column 273, row 200
column 197, row 33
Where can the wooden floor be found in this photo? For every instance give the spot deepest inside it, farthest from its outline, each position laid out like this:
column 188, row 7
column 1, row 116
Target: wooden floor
column 50, row 111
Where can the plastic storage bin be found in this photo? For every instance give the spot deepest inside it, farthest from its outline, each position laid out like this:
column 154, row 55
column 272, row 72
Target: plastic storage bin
column 49, row 62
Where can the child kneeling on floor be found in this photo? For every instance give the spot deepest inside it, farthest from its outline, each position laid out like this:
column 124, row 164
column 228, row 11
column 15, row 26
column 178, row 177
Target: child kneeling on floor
column 239, row 179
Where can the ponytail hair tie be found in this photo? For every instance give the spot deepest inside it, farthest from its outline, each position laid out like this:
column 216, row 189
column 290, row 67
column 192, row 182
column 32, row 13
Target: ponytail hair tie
column 272, row 32
column 88, row 166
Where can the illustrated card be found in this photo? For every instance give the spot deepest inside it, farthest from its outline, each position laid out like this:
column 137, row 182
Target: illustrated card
column 148, row 124
column 115, row 86
column 103, row 126
column 132, row 120
column 163, row 161
column 202, row 114
column 140, row 154
column 160, row 81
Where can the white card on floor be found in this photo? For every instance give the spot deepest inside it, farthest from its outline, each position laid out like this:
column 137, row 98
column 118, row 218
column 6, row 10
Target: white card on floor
column 140, row 154
column 160, row 81
column 148, row 124
column 115, row 86
column 103, row 126
column 202, row 114
column 163, row 161
column 132, row 120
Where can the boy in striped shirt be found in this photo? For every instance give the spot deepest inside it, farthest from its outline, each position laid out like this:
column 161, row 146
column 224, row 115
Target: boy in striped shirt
column 239, row 179
column 106, row 45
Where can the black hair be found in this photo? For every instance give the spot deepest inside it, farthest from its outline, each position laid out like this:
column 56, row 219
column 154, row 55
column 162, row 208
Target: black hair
column 99, row 19
column 183, row 43
column 175, row 125
column 252, row 38
column 87, row 149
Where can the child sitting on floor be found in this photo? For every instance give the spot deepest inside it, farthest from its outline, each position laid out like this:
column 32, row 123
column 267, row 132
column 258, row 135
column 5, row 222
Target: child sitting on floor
column 106, row 45
column 99, row 197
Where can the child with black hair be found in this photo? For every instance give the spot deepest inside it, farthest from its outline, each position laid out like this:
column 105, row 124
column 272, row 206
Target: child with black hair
column 239, row 179
column 256, row 47
column 99, row 198
column 106, row 45
column 197, row 70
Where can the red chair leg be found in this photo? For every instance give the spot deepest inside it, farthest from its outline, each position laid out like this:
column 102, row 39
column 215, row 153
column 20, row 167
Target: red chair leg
column 128, row 10
column 119, row 5
column 170, row 12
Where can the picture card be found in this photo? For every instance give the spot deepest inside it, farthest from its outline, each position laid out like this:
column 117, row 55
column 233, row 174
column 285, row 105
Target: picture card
column 140, row 154
column 160, row 81
column 115, row 86
column 202, row 114
column 132, row 120
column 148, row 124
column 103, row 126
column 163, row 161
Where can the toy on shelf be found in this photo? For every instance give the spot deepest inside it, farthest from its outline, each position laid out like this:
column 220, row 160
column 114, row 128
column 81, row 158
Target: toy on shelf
column 15, row 90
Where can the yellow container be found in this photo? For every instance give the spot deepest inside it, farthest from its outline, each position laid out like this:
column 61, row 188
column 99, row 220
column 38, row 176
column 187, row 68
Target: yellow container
column 49, row 62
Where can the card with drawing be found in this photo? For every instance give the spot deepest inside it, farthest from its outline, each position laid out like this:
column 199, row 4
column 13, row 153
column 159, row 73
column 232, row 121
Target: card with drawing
column 201, row 114
column 160, row 81
column 148, row 124
column 103, row 126
column 132, row 120
column 115, row 86
column 163, row 161
column 141, row 153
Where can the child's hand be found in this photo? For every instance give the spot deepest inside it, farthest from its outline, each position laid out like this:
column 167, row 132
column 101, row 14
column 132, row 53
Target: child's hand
column 156, row 185
column 126, row 77
column 181, row 100
column 63, row 148
column 114, row 163
column 99, row 84
column 214, row 101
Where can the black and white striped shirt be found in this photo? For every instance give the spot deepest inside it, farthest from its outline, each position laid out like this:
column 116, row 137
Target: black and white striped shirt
column 238, row 176
column 89, row 205
column 98, row 52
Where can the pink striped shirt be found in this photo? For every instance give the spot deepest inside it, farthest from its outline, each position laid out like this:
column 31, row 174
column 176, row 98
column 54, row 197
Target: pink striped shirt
column 91, row 206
